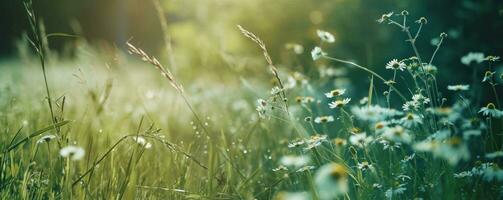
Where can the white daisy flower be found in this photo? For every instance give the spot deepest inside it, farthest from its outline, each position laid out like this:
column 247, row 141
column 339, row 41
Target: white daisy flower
column 492, row 58
column 410, row 105
column 396, row 65
column 72, row 152
column 335, row 93
column 296, row 143
column 365, row 166
column 323, row 119
column 420, row 99
column 374, row 113
column 491, row 111
column 46, row 138
column 431, row 69
column 294, row 161
column 390, row 145
column 480, row 169
column 380, row 126
column 452, row 150
column 463, row 174
column 458, row 87
column 368, row 113
column 331, row 181
column 411, row 120
column 339, row 142
column 339, row 103
column 317, row 53
column 315, row 141
column 360, row 140
column 392, row 192
column 397, row 134
column 426, row 145
column 325, row 36
column 471, row 57
column 306, row 99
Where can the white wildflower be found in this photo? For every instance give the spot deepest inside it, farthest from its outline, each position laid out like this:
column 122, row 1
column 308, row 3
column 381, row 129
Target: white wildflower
column 314, row 141
column 294, row 161
column 397, row 134
column 458, row 87
column 296, row 143
column 339, row 142
column 452, row 150
column 390, row 145
column 72, row 152
column 325, row 36
column 491, row 111
column 393, row 192
column 317, row 53
column 431, row 69
column 396, row 65
column 410, row 105
column 365, row 166
column 335, row 93
column 360, row 139
column 323, row 119
column 45, row 138
column 411, row 120
column 420, row 99
column 463, row 174
column 339, row 103
column 331, row 181
column 476, row 57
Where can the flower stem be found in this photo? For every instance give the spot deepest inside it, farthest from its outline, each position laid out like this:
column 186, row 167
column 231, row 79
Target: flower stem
column 369, row 71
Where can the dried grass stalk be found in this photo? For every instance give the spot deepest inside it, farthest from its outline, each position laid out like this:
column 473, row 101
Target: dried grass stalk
column 152, row 60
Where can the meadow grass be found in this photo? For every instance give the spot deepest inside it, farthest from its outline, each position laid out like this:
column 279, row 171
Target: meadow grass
column 115, row 127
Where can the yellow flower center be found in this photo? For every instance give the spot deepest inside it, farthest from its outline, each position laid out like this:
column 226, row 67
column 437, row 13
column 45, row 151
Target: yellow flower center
column 338, row 172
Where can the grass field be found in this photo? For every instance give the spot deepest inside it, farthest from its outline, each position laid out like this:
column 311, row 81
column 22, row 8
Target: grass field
column 123, row 125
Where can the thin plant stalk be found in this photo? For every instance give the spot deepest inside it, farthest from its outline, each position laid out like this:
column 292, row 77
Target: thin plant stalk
column 368, row 71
